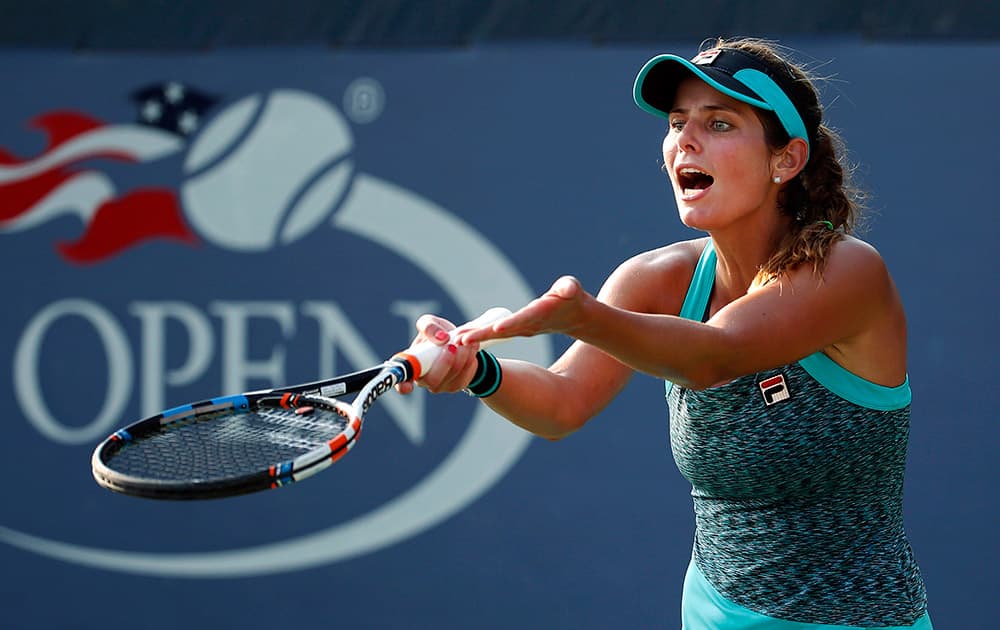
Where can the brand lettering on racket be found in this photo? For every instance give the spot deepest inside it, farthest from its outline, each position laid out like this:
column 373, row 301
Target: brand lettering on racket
column 774, row 389
column 333, row 390
column 380, row 388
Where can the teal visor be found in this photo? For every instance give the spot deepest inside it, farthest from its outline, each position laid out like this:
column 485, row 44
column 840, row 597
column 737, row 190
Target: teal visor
column 733, row 72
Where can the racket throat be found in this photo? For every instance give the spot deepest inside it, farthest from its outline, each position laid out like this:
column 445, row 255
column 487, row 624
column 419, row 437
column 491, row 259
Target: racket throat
column 409, row 366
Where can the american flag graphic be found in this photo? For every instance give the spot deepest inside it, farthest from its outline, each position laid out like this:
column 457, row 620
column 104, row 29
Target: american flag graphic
column 66, row 177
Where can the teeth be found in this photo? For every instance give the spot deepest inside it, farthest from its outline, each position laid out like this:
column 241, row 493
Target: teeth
column 693, row 180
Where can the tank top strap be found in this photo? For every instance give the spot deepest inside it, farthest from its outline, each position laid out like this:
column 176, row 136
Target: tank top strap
column 700, row 289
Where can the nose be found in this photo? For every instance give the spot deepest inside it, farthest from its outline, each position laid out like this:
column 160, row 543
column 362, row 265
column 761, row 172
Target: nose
column 686, row 138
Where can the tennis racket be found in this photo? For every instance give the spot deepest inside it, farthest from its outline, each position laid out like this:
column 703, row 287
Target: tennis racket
column 257, row 440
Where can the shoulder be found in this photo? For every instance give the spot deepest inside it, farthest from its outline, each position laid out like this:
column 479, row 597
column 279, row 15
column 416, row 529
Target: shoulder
column 855, row 288
column 856, row 249
column 859, row 289
column 675, row 258
column 857, row 264
column 853, row 273
column 654, row 281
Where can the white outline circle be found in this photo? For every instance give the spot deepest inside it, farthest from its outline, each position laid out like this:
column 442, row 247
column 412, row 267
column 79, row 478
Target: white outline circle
column 433, row 240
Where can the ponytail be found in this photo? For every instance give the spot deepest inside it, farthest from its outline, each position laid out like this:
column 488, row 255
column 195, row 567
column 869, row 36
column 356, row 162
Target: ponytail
column 822, row 206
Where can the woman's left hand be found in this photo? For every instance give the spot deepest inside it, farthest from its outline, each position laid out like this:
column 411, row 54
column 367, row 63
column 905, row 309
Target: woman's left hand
column 559, row 310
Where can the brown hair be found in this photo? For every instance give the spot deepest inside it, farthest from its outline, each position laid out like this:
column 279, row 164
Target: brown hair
column 820, row 200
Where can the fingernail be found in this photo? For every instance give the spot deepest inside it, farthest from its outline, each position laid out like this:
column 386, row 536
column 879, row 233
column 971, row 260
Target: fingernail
column 441, row 335
column 452, row 348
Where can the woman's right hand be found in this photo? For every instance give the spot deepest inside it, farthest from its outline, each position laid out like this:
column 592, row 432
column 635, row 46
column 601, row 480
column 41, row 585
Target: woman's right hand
column 454, row 368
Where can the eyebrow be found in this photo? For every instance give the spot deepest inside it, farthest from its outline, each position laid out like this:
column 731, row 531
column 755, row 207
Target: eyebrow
column 713, row 108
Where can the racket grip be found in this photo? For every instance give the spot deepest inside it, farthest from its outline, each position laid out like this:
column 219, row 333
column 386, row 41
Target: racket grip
column 422, row 356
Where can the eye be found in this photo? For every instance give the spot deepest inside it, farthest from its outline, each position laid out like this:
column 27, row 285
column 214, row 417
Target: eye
column 720, row 125
column 676, row 124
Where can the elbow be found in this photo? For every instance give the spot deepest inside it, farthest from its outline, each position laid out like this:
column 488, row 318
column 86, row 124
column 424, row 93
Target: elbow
column 561, row 430
column 553, row 438
column 693, row 385
column 557, row 435
column 697, row 386
column 716, row 364
column 564, row 424
column 706, row 375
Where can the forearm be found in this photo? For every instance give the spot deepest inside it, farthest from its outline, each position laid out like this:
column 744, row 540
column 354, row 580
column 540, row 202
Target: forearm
column 625, row 325
column 537, row 400
column 556, row 401
column 683, row 351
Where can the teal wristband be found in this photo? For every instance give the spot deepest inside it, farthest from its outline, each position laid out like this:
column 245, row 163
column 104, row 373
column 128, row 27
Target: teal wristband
column 486, row 380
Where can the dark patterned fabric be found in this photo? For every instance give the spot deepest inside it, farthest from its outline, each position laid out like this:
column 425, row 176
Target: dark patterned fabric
column 798, row 504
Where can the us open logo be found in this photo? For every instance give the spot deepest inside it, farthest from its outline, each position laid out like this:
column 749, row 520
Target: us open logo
column 774, row 389
column 253, row 178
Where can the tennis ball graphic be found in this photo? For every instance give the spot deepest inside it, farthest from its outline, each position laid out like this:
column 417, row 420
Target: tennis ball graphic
column 267, row 170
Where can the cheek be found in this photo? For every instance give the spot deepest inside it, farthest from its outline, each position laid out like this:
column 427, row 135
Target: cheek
column 669, row 149
column 744, row 167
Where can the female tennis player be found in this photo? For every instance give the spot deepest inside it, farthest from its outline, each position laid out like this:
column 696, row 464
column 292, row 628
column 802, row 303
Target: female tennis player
column 782, row 341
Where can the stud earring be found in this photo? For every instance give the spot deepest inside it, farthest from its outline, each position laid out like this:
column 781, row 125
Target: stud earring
column 777, row 179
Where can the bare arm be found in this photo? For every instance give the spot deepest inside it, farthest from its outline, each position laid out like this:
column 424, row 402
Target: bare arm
column 777, row 324
column 852, row 312
column 555, row 401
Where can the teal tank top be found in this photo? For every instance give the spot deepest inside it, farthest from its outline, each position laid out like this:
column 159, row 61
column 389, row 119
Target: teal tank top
column 797, row 483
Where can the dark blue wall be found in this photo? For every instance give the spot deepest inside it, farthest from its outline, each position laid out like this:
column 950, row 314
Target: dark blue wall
column 195, row 25
column 517, row 163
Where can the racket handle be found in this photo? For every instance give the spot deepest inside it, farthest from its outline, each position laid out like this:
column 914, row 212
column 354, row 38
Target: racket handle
column 422, row 356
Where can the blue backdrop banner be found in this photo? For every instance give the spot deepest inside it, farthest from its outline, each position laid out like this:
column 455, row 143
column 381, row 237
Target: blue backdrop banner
column 178, row 226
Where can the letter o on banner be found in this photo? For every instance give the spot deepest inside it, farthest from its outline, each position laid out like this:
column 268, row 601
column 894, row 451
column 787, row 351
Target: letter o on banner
column 28, row 389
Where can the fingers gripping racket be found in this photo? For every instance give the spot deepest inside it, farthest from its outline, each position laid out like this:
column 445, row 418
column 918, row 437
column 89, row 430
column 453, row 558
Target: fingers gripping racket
column 256, row 440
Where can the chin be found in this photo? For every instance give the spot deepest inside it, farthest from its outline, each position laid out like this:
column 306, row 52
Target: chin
column 695, row 218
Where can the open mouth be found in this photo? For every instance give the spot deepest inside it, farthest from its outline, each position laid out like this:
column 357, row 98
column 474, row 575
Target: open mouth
column 692, row 180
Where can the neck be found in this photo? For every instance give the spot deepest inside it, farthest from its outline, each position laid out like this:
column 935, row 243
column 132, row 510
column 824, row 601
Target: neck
column 742, row 250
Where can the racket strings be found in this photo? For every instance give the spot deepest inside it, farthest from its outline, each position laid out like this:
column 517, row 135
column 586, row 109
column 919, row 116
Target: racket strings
column 221, row 445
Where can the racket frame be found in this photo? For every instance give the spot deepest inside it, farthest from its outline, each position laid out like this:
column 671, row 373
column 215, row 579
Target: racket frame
column 369, row 384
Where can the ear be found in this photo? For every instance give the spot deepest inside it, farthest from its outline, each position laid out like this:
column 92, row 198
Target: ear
column 790, row 161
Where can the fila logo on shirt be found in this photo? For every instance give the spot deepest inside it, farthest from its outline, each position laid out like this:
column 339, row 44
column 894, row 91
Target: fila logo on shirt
column 774, row 389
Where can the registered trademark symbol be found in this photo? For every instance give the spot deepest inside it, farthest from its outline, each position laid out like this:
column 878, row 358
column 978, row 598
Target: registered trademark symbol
column 364, row 100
